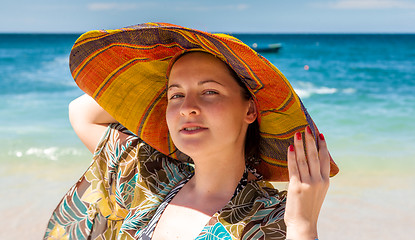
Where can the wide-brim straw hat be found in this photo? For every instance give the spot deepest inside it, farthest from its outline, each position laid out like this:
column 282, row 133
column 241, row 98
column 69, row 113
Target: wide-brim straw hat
column 124, row 70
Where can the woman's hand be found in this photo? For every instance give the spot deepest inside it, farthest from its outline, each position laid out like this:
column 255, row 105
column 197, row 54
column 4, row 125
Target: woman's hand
column 309, row 182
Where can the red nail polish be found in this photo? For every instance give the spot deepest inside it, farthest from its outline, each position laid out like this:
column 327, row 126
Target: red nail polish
column 309, row 129
column 321, row 136
column 298, row 135
column 291, row 148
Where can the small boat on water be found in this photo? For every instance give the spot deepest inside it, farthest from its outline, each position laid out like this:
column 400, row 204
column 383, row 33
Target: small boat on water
column 267, row 48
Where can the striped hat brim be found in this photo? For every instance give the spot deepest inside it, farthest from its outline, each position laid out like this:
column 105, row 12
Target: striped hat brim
column 124, row 70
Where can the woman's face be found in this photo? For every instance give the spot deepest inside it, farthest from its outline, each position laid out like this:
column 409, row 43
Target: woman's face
column 206, row 112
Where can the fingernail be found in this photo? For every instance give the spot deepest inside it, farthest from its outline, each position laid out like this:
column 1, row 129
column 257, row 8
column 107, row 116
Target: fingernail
column 308, row 129
column 321, row 136
column 298, row 135
column 291, row 148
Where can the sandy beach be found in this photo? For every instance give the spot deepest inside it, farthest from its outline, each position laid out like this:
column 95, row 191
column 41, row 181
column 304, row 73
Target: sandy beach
column 369, row 207
column 358, row 205
column 30, row 192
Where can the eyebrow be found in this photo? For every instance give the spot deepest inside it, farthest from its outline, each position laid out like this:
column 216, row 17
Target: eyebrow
column 199, row 83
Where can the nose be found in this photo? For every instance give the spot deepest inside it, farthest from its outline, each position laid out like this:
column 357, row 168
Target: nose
column 189, row 106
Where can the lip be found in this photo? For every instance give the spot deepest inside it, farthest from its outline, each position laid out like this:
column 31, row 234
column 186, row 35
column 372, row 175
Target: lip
column 192, row 128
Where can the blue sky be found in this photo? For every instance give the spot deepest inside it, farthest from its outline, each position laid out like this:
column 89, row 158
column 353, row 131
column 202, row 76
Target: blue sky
column 253, row 16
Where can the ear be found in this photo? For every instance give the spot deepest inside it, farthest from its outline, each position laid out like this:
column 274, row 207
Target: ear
column 251, row 114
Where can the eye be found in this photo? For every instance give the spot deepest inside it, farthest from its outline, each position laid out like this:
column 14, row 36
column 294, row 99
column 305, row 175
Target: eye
column 175, row 96
column 210, row 92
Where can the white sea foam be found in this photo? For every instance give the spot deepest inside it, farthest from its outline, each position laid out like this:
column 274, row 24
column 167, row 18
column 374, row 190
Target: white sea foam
column 46, row 152
column 51, row 153
column 306, row 89
column 349, row 90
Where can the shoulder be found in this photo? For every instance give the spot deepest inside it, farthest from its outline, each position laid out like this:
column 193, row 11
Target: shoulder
column 117, row 142
column 117, row 134
column 256, row 212
column 256, row 201
column 268, row 210
column 122, row 151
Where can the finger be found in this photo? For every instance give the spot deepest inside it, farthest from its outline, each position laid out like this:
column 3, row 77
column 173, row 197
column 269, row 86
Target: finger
column 312, row 154
column 301, row 158
column 324, row 157
column 293, row 173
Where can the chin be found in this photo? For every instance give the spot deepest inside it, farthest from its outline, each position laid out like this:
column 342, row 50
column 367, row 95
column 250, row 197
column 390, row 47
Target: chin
column 190, row 149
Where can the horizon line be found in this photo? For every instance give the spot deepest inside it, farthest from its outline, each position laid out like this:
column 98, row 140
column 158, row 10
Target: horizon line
column 229, row 32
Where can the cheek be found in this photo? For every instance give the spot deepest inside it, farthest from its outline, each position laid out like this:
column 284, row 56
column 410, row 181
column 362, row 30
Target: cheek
column 227, row 114
column 170, row 116
column 237, row 115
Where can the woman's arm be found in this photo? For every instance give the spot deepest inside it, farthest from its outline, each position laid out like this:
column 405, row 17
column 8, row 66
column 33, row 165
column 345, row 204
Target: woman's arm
column 89, row 120
column 309, row 182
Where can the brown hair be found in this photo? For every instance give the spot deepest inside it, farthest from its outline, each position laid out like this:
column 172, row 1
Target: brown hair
column 252, row 136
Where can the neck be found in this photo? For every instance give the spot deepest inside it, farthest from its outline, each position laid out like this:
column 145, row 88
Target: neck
column 217, row 176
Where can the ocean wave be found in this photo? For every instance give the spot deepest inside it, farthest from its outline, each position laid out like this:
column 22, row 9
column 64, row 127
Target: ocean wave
column 55, row 71
column 44, row 75
column 51, row 153
column 349, row 90
column 306, row 89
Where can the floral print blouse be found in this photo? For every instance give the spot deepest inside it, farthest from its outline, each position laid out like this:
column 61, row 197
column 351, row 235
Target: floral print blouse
column 128, row 180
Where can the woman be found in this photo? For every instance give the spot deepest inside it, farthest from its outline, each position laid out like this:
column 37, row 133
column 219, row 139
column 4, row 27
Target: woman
column 194, row 173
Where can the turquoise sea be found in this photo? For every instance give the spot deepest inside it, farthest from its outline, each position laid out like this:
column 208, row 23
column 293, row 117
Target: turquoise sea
column 359, row 89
